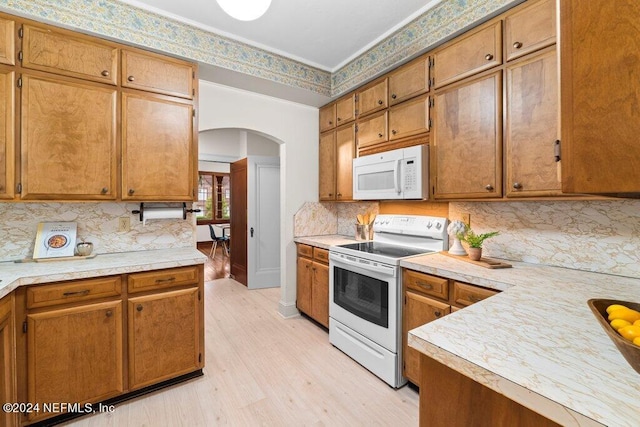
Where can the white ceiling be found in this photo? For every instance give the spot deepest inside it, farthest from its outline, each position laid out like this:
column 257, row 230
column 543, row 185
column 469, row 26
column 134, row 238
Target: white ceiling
column 322, row 33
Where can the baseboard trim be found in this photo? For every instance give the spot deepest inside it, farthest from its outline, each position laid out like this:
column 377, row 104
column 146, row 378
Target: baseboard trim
column 288, row 310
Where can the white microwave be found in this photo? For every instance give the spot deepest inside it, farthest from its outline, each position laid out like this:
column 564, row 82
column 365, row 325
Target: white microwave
column 397, row 174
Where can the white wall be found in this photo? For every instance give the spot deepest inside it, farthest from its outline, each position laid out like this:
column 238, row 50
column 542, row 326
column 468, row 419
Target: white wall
column 295, row 126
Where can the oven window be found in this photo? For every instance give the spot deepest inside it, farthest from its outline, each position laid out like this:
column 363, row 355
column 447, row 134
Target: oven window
column 364, row 296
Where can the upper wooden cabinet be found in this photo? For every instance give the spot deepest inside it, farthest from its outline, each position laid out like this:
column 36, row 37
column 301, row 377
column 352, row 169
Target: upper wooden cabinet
column 328, row 117
column 157, row 148
column 155, row 73
column 7, row 42
column 530, row 29
column 466, row 139
column 600, row 88
column 532, row 127
column 469, row 54
column 409, row 80
column 327, row 166
column 346, row 109
column 69, row 54
column 68, row 139
column 7, row 134
column 345, row 152
column 409, row 118
column 372, row 130
column 372, row 97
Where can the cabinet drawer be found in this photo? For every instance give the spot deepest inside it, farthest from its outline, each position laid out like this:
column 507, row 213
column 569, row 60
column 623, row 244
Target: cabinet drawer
column 372, row 130
column 373, row 98
column 478, row 51
column 73, row 291
column 160, row 279
column 305, row 250
column 321, row 255
column 74, row 56
column 531, row 28
column 426, row 284
column 159, row 74
column 464, row 294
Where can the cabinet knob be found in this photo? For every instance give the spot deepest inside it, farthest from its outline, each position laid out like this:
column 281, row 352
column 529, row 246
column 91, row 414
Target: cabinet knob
column 330, row 122
column 109, row 313
column 131, row 191
column 104, row 190
column 339, row 119
column 380, row 102
column 488, row 57
column 105, row 73
column 394, row 96
column 488, row 187
column 330, row 194
column 139, row 307
column 517, row 185
column 517, row 45
column 393, row 131
column 339, row 194
column 379, row 135
column 438, row 314
column 131, row 78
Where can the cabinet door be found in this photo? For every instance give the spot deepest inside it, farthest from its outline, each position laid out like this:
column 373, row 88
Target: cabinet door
column 164, row 335
column 327, row 117
column 7, row 42
column 532, row 127
column 372, row 130
column 409, row 80
column 345, row 151
column 157, row 148
column 68, row 140
column 7, row 134
column 155, row 73
column 476, row 51
column 69, row 54
column 74, row 355
column 346, row 109
column 7, row 360
column 304, row 278
column 418, row 310
column 409, row 118
column 467, row 139
column 600, row 116
column 320, row 294
column 327, row 164
column 530, row 29
column 372, row 98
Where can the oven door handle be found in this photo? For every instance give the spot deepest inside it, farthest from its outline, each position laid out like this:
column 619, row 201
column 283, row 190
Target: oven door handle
column 387, row 271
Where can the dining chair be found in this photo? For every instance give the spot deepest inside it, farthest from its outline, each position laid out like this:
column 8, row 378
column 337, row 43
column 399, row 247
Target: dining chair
column 216, row 239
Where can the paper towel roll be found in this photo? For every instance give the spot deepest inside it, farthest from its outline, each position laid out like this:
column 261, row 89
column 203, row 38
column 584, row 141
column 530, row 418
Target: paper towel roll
column 162, row 213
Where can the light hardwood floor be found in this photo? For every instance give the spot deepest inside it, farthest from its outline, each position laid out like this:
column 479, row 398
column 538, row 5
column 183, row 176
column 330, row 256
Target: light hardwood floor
column 264, row 370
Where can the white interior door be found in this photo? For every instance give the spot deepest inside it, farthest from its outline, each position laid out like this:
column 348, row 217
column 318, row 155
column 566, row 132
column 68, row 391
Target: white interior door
column 263, row 222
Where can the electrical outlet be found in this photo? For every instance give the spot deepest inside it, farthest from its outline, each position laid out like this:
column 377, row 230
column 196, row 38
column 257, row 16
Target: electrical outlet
column 124, row 223
column 466, row 218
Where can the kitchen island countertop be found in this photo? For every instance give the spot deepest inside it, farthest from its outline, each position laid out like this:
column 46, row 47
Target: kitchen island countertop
column 13, row 275
column 537, row 342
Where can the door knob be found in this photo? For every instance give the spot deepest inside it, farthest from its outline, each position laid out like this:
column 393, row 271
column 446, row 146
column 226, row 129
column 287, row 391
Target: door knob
column 251, row 231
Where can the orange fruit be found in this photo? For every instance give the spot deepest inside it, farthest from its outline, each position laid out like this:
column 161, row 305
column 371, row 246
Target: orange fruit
column 630, row 332
column 619, row 323
column 613, row 307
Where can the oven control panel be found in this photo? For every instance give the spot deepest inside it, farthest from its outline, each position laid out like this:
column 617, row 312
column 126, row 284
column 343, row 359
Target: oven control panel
column 412, row 225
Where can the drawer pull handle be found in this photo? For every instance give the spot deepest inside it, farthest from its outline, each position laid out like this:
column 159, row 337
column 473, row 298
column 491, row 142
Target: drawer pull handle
column 517, row 185
column 139, row 307
column 104, row 190
column 131, row 78
column 394, row 96
column 380, row 102
column 488, row 57
column 76, row 293
column 488, row 187
column 379, row 135
column 517, row 45
column 170, row 279
column 424, row 285
column 393, row 131
column 438, row 314
column 131, row 191
column 105, row 73
column 109, row 313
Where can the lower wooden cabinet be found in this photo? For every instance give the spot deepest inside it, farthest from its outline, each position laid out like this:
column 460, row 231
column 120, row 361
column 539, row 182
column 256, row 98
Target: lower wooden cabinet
column 425, row 299
column 312, row 285
column 7, row 360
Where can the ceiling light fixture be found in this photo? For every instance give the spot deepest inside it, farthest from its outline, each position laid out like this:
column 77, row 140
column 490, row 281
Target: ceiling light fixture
column 245, row 10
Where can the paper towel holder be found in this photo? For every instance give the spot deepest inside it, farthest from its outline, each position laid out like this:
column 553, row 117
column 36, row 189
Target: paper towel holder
column 185, row 211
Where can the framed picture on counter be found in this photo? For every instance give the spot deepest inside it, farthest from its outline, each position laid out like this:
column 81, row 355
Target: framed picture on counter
column 55, row 239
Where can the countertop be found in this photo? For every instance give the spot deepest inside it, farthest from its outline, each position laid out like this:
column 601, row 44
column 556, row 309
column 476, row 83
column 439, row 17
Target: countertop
column 13, row 275
column 325, row 241
column 537, row 342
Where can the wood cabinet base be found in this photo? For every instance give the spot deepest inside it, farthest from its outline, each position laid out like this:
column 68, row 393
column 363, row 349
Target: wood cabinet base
column 448, row 398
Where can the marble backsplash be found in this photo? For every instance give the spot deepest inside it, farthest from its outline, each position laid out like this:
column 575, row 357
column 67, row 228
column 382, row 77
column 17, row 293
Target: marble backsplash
column 317, row 219
column 599, row 236
column 97, row 223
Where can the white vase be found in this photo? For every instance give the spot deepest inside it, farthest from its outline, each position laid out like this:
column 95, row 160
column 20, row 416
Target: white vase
column 457, row 248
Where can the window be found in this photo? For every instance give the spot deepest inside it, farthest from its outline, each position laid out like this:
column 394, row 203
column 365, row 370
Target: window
column 213, row 197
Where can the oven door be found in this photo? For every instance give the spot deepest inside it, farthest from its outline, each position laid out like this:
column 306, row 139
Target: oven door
column 363, row 296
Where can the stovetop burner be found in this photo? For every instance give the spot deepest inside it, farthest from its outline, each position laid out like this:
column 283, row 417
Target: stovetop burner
column 386, row 249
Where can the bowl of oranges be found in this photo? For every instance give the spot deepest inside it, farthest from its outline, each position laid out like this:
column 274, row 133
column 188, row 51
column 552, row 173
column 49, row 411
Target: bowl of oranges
column 621, row 321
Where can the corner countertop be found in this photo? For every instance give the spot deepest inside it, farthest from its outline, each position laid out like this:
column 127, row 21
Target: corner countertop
column 13, row 275
column 325, row 241
column 537, row 342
